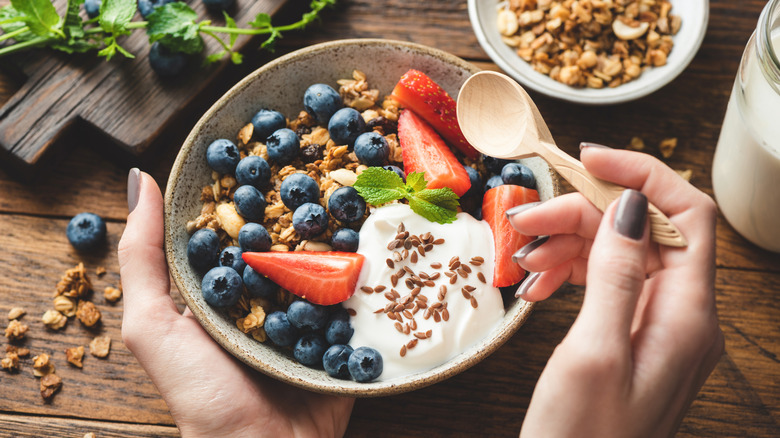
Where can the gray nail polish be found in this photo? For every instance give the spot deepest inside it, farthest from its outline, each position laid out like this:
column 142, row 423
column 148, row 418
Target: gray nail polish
column 527, row 283
column 133, row 188
column 631, row 214
column 520, row 208
column 528, row 247
column 585, row 144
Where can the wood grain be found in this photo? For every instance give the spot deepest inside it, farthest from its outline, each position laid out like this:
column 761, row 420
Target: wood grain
column 18, row 426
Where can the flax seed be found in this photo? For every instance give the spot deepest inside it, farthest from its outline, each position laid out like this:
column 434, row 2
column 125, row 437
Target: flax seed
column 403, row 351
column 391, row 245
column 398, row 308
column 436, row 265
column 380, row 311
column 436, row 317
column 445, row 314
column 389, row 296
column 435, row 276
column 400, row 274
column 397, row 256
column 353, row 312
column 423, row 298
column 476, row 261
column 413, row 324
column 423, row 275
column 453, row 260
column 408, row 270
column 404, row 254
column 481, row 277
column 427, row 313
column 379, row 288
column 454, row 266
column 390, row 263
column 421, row 250
column 395, row 294
column 407, row 244
column 413, row 258
column 462, row 272
column 436, row 305
column 401, row 227
column 367, row 289
column 469, row 288
column 450, row 274
column 428, row 247
column 394, row 280
column 419, row 335
column 438, row 241
column 453, row 279
column 466, row 268
column 429, row 283
column 391, row 315
column 474, row 303
column 411, row 344
column 408, row 314
column 407, row 329
column 466, row 294
column 427, row 236
column 389, row 307
column 398, row 326
column 443, row 290
column 409, row 283
column 416, row 291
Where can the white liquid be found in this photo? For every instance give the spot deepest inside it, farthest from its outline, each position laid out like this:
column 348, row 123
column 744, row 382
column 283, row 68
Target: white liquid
column 746, row 167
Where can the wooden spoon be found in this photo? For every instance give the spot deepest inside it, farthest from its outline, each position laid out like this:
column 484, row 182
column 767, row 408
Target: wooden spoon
column 499, row 119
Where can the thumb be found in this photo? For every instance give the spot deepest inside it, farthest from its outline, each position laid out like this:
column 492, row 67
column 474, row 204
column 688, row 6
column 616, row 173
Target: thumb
column 616, row 269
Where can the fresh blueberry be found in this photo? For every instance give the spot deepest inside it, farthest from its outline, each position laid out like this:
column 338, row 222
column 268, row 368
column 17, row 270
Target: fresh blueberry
column 335, row 361
column 307, row 317
column 309, row 349
column 146, row 7
column 279, row 329
column 372, row 149
column 345, row 126
column 519, row 175
column 203, row 249
column 472, row 199
column 222, row 156
column 250, row 203
column 310, row 220
column 298, row 189
column 346, row 204
column 253, row 170
column 218, row 5
column 493, row 164
column 283, row 146
column 258, row 285
column 397, row 170
column 365, row 364
column 493, row 181
column 253, row 237
column 166, row 62
column 339, row 330
column 231, row 257
column 92, row 8
column 86, row 231
column 221, row 286
column 345, row 239
column 321, row 101
column 266, row 121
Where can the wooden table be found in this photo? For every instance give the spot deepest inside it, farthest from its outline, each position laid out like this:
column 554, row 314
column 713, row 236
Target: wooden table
column 114, row 397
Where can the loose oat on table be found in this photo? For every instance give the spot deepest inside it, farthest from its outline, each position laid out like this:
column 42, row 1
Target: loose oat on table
column 74, row 283
column 50, row 384
column 10, row 362
column 15, row 330
column 667, row 146
column 54, row 319
column 42, row 365
column 16, row 313
column 65, row 305
column 88, row 313
column 75, row 355
column 100, row 271
column 112, row 294
column 100, row 346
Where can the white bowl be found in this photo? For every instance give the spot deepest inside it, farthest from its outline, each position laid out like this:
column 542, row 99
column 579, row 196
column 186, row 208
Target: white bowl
column 694, row 13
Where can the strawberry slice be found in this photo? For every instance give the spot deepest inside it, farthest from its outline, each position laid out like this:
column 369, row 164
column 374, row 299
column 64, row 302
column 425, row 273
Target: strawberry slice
column 320, row 277
column 424, row 151
column 416, row 91
column 507, row 241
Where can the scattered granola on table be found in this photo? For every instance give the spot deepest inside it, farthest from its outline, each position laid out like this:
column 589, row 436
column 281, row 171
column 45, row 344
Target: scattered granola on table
column 16, row 313
column 667, row 146
column 42, row 365
column 100, row 346
column 112, row 294
column 74, row 355
column 15, row 330
column 88, row 313
column 54, row 319
column 50, row 384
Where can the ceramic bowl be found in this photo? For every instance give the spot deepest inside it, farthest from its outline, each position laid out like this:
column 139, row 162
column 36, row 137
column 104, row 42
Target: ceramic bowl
column 280, row 84
column 694, row 13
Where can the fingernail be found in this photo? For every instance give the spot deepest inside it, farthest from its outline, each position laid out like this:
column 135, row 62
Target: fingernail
column 523, row 252
column 133, row 189
column 527, row 283
column 631, row 214
column 520, row 208
column 585, row 144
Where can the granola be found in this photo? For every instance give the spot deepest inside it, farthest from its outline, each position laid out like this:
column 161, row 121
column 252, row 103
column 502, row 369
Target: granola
column 87, row 313
column 42, row 365
column 16, row 313
column 100, row 346
column 50, row 384
column 54, row 319
column 75, row 355
column 74, row 283
column 112, row 294
column 15, row 330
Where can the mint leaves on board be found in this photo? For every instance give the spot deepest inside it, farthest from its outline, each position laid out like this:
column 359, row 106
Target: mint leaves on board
column 36, row 23
column 379, row 186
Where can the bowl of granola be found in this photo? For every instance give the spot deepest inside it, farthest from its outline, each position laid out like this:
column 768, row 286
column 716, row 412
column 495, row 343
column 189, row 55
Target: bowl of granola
column 326, row 225
column 589, row 51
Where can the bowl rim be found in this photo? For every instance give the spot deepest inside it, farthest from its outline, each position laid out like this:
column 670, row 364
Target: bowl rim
column 538, row 82
column 461, row 362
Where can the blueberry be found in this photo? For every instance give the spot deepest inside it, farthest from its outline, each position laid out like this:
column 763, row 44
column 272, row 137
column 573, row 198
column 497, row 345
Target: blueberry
column 472, row 199
column 203, row 249
column 166, row 62
column 298, row 189
column 221, row 286
column 365, row 364
column 345, row 126
column 279, row 330
column 397, row 170
column 493, row 164
column 372, row 149
column 92, row 8
column 321, row 101
column 310, row 220
column 283, row 146
column 222, row 156
column 253, row 170
column 339, row 330
column 335, row 361
column 146, row 7
column 519, row 175
column 493, row 181
column 258, row 285
column 309, row 349
column 86, row 231
column 250, row 203
column 231, row 257
column 307, row 317
column 266, row 121
column 253, row 237
column 345, row 239
column 218, row 5
column 346, row 204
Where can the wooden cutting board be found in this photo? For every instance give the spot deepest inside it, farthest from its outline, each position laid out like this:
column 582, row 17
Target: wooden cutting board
column 122, row 99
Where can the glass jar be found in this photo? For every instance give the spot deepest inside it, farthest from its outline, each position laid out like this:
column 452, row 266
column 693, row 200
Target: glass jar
column 746, row 167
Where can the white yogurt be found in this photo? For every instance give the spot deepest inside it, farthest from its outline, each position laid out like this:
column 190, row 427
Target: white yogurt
column 465, row 238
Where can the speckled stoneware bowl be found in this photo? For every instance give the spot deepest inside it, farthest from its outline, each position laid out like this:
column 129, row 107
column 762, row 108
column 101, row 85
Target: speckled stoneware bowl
column 280, row 84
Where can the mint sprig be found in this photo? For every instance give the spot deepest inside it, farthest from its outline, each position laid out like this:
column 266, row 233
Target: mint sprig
column 379, row 186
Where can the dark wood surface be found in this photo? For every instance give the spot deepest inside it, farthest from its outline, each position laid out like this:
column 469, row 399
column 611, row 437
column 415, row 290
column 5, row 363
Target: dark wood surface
column 113, row 396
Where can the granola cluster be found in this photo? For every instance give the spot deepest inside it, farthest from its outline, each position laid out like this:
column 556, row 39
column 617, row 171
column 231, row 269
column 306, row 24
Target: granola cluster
column 590, row 43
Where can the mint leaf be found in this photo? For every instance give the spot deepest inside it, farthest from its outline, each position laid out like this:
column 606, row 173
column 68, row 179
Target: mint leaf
column 230, row 23
column 175, row 26
column 12, row 20
column 261, row 21
column 115, row 14
column 39, row 15
column 379, row 186
column 436, row 205
column 73, row 26
column 416, row 181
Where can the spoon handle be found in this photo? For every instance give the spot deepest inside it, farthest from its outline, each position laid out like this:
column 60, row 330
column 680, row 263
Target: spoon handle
column 602, row 193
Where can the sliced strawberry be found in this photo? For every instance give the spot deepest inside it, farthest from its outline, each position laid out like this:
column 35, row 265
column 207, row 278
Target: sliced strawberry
column 507, row 241
column 319, row 277
column 424, row 151
column 416, row 91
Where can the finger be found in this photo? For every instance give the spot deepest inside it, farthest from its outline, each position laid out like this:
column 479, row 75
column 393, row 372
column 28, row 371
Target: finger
column 541, row 285
column 567, row 214
column 553, row 251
